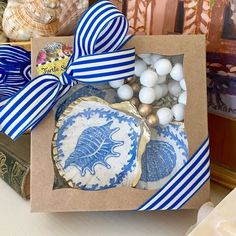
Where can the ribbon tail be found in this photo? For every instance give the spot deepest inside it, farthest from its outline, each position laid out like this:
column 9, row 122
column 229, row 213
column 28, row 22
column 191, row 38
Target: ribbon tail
column 3, row 102
column 14, row 71
column 41, row 116
column 29, row 105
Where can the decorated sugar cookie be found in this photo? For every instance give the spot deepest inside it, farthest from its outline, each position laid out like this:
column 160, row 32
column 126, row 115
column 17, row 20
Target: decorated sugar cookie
column 165, row 155
column 98, row 146
column 102, row 91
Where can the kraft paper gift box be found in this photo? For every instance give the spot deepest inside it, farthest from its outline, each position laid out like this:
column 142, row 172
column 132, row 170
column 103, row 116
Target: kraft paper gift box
column 181, row 191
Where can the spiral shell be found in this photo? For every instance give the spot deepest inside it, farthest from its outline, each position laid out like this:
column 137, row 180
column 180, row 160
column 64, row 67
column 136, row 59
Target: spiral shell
column 164, row 156
column 2, row 9
column 95, row 145
column 71, row 12
column 31, row 18
column 3, row 37
column 43, row 11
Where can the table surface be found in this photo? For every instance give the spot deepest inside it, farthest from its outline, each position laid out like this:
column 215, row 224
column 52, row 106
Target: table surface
column 16, row 219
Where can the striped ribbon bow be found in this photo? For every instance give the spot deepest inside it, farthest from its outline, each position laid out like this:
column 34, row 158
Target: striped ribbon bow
column 100, row 34
column 14, row 71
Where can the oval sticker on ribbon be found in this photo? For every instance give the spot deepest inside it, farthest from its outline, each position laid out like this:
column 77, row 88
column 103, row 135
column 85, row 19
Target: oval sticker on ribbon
column 53, row 58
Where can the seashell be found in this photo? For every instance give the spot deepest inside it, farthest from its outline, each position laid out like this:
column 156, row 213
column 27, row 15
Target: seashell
column 71, row 12
column 31, row 18
column 3, row 5
column 3, row 37
column 43, row 11
column 97, row 146
column 106, row 93
column 164, row 156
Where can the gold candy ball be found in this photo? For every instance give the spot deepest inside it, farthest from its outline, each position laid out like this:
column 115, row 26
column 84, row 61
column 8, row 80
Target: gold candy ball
column 130, row 80
column 134, row 101
column 144, row 109
column 152, row 120
column 136, row 87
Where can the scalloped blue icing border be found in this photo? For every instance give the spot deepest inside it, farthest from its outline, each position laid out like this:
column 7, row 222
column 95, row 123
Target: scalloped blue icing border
column 152, row 160
column 85, row 91
column 108, row 115
column 180, row 143
column 160, row 158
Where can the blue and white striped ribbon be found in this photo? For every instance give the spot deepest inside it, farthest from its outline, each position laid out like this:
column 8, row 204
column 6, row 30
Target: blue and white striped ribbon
column 14, row 71
column 184, row 184
column 100, row 34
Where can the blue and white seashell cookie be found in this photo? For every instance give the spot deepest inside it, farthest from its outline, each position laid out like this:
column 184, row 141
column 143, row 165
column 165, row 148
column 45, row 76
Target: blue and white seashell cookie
column 165, row 154
column 98, row 146
column 99, row 90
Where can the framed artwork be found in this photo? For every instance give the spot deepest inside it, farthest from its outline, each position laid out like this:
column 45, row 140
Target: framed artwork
column 153, row 16
column 214, row 18
column 229, row 27
column 217, row 20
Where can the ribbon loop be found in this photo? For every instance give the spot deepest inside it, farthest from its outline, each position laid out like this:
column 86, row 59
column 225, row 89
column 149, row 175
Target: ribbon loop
column 14, row 71
column 3, row 76
column 103, row 67
column 101, row 29
column 100, row 34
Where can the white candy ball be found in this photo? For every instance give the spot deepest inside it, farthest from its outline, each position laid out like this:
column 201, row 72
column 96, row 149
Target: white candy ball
column 161, row 79
column 116, row 83
column 125, row 92
column 148, row 78
column 159, row 91
column 174, row 88
column 183, row 98
column 164, row 89
column 178, row 111
column 144, row 55
column 177, row 72
column 182, row 84
column 147, row 95
column 165, row 116
column 147, row 60
column 163, row 67
column 155, row 58
column 140, row 67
